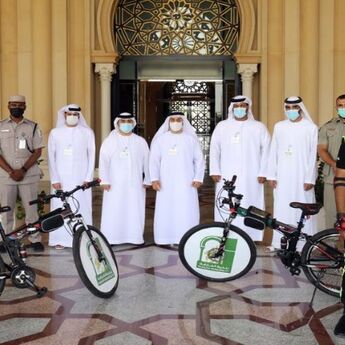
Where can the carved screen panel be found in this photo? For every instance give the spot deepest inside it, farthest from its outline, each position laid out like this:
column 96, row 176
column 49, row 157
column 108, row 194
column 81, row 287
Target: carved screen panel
column 192, row 98
column 170, row 27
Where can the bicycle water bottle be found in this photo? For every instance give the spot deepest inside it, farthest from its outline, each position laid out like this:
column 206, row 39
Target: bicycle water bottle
column 283, row 242
column 22, row 252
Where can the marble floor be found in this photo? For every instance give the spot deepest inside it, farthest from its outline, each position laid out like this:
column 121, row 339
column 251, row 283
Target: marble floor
column 159, row 302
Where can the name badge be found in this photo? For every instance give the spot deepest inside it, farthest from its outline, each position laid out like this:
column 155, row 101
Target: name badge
column 5, row 130
column 22, row 144
column 68, row 151
column 289, row 151
column 173, row 151
column 124, row 154
column 235, row 139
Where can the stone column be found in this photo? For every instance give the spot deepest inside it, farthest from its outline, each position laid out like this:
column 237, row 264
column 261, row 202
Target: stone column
column 105, row 71
column 247, row 71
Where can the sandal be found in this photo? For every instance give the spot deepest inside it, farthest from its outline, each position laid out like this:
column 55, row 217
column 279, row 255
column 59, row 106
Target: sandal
column 59, row 247
column 270, row 249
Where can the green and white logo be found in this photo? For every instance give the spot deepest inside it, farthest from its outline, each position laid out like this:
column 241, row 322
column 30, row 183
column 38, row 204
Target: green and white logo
column 208, row 246
column 103, row 270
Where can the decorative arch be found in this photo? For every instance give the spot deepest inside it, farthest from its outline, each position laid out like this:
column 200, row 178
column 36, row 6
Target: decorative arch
column 248, row 21
column 103, row 45
column 182, row 27
column 104, row 48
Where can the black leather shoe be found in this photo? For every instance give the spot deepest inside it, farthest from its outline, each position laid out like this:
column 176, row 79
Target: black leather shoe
column 339, row 329
column 37, row 247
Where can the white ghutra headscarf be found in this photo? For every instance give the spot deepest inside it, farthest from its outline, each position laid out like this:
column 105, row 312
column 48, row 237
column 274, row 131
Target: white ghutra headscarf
column 60, row 122
column 237, row 99
column 122, row 116
column 187, row 127
column 298, row 100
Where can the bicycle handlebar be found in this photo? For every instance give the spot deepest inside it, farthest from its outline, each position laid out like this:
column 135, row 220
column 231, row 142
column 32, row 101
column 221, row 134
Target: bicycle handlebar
column 229, row 186
column 43, row 198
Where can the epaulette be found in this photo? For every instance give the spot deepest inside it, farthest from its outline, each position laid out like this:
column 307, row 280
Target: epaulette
column 333, row 120
column 31, row 122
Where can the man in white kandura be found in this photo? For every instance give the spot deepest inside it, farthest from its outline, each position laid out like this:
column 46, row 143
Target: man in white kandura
column 123, row 169
column 292, row 169
column 177, row 171
column 240, row 146
column 71, row 158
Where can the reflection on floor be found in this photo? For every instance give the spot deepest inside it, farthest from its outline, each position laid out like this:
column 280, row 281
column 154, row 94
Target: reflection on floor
column 159, row 302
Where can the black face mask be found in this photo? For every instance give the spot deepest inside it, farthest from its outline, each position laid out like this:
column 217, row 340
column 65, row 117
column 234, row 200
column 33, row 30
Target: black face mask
column 17, row 112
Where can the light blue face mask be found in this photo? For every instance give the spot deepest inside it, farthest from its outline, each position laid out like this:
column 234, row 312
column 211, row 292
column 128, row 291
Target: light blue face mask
column 292, row 114
column 240, row 112
column 126, row 127
column 341, row 112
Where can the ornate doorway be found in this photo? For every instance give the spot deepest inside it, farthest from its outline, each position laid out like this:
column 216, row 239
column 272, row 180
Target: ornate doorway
column 186, row 37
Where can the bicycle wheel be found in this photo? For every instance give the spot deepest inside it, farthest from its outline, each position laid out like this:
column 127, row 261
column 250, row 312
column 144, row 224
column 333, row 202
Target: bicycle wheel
column 101, row 278
column 2, row 279
column 199, row 243
column 322, row 260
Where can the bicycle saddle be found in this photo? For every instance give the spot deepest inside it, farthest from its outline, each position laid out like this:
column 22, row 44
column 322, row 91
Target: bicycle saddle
column 308, row 209
column 5, row 209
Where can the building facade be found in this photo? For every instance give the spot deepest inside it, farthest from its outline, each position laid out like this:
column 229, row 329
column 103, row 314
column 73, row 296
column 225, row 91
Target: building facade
column 57, row 52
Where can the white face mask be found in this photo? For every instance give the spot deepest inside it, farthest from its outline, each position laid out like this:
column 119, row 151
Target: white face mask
column 175, row 126
column 72, row 120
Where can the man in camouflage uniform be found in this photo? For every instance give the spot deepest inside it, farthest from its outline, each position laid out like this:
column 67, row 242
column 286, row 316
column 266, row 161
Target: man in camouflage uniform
column 21, row 145
column 330, row 135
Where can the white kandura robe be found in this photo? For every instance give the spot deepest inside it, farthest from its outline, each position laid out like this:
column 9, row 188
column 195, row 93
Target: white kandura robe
column 176, row 160
column 123, row 164
column 292, row 162
column 71, row 159
column 241, row 148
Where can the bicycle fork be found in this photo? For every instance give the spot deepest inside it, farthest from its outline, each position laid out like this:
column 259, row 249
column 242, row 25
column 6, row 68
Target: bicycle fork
column 99, row 253
column 220, row 250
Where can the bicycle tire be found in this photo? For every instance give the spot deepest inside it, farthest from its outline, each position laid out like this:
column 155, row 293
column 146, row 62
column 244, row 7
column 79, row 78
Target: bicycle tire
column 196, row 244
column 101, row 283
column 314, row 258
column 3, row 280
